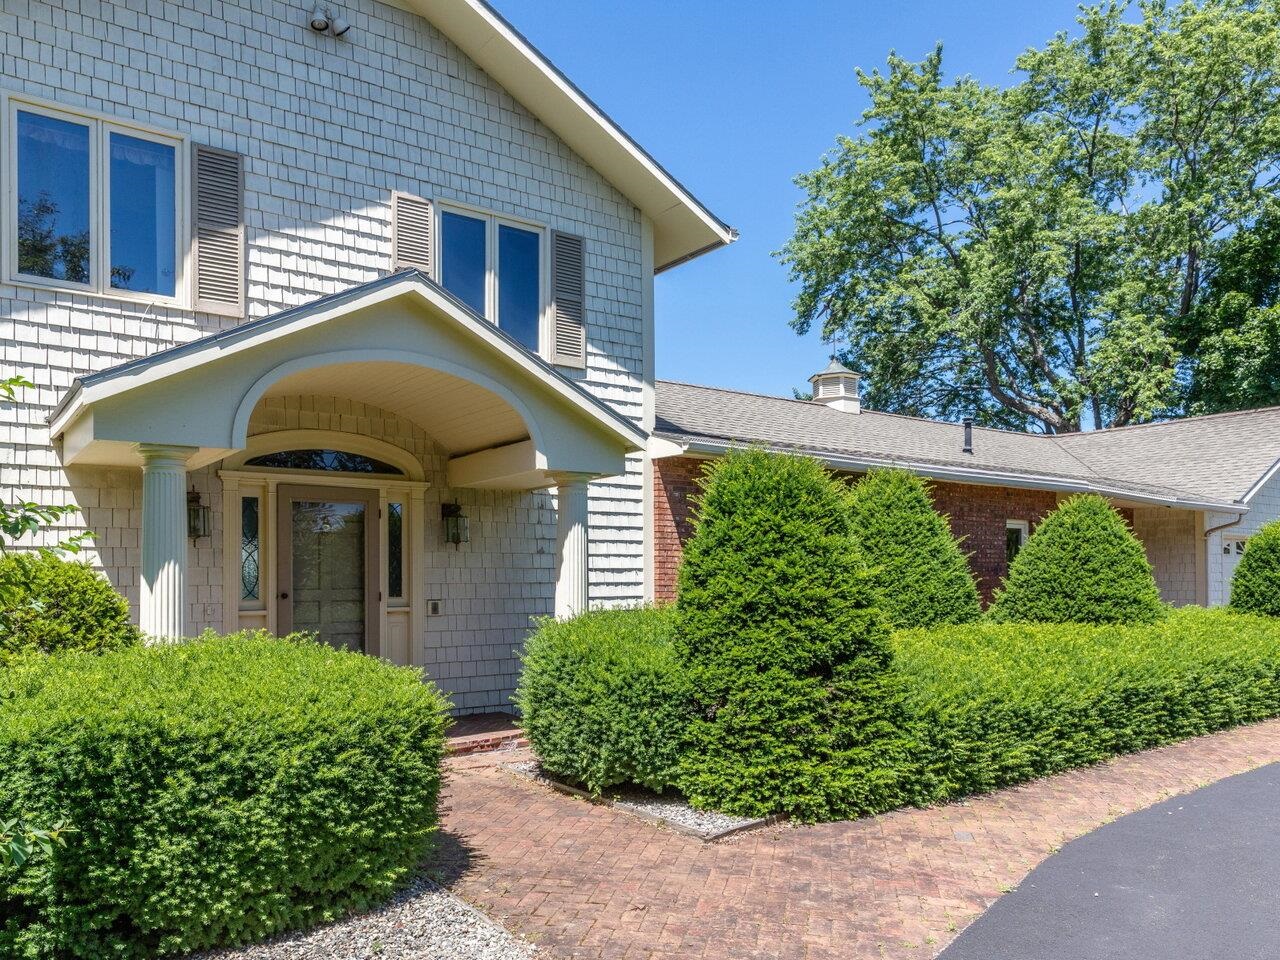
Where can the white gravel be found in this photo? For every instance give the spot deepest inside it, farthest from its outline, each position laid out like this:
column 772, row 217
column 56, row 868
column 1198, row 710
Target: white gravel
column 669, row 807
column 424, row 922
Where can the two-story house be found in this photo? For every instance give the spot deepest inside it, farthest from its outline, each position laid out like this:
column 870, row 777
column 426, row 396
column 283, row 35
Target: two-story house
column 340, row 319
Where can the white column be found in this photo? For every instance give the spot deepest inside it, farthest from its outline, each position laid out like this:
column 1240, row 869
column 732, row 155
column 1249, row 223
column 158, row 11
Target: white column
column 571, row 544
column 164, row 540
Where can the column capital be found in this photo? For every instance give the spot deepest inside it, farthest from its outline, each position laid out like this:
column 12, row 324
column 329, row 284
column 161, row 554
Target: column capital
column 164, row 453
column 569, row 479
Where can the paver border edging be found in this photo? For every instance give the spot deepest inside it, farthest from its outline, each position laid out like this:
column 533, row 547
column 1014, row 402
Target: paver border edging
column 634, row 811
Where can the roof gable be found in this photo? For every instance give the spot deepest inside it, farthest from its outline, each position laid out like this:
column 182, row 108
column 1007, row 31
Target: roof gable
column 683, row 227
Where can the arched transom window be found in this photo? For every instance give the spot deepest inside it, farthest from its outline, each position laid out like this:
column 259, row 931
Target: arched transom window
column 338, row 461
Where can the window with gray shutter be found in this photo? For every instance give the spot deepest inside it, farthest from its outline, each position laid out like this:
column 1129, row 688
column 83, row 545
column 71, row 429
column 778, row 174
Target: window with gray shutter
column 568, row 301
column 218, row 227
column 411, row 227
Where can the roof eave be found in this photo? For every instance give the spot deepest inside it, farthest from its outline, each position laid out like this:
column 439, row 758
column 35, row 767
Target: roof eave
column 683, row 227
column 838, row 461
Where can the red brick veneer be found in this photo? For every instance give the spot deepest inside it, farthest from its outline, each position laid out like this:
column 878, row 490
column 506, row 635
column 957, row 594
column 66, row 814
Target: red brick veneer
column 977, row 514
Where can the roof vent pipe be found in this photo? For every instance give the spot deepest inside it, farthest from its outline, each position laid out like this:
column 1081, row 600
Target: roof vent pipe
column 968, row 435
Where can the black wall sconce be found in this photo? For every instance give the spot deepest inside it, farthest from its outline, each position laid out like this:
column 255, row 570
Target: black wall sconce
column 456, row 530
column 199, row 521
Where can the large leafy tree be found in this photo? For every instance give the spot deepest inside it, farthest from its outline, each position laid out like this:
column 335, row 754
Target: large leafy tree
column 1031, row 254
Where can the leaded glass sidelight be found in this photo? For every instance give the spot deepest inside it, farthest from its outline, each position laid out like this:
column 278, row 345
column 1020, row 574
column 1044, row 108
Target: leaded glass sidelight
column 395, row 550
column 250, row 544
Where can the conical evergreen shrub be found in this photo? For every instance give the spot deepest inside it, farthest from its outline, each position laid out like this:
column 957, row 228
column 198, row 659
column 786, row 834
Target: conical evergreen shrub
column 1255, row 587
column 1081, row 565
column 917, row 568
column 785, row 651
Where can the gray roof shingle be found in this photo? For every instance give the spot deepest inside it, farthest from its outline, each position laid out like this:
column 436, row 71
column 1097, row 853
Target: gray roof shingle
column 1202, row 460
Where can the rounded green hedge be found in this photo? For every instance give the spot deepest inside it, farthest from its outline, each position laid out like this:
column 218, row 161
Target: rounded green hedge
column 784, row 647
column 52, row 604
column 602, row 698
column 920, row 574
column 1081, row 565
column 1255, row 586
column 222, row 790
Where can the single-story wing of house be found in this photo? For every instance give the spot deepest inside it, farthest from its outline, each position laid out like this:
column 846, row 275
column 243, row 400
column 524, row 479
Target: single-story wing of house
column 1193, row 490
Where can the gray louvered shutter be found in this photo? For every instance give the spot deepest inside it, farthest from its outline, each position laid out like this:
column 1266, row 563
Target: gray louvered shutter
column 218, row 230
column 568, row 300
column 411, row 228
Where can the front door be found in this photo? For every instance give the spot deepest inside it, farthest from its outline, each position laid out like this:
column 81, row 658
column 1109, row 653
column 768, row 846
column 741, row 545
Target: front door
column 327, row 563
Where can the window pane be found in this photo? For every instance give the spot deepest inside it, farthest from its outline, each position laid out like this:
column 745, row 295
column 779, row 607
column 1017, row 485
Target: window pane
column 519, row 303
column 1012, row 542
column 53, row 198
column 337, row 460
column 462, row 258
column 249, row 544
column 143, row 212
column 395, row 550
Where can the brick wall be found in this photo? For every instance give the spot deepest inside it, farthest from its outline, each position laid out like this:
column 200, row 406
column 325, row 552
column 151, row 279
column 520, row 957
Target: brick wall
column 675, row 480
column 977, row 515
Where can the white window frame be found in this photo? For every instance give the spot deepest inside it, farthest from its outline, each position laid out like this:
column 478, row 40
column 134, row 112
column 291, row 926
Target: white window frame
column 1022, row 526
column 492, row 222
column 101, row 126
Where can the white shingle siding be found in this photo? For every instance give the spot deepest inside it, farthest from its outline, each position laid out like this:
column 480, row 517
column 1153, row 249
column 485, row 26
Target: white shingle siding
column 328, row 129
column 1263, row 508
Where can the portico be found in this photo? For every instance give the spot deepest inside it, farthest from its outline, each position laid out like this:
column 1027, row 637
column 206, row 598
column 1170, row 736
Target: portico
column 328, row 439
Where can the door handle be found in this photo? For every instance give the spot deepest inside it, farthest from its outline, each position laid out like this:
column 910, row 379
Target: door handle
column 284, row 596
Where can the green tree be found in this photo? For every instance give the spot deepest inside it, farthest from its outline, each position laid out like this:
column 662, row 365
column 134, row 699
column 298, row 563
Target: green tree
column 785, row 652
column 1231, row 341
column 1025, row 254
column 1082, row 565
column 917, row 567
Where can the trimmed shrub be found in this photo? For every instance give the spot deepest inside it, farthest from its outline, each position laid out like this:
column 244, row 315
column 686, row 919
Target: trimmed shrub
column 1255, row 587
column 602, row 698
column 917, row 568
column 994, row 705
column 1081, row 565
column 785, row 651
column 222, row 790
column 54, row 604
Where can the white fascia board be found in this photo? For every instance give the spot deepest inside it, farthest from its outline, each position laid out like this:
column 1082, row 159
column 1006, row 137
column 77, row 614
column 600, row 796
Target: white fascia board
column 961, row 474
column 180, row 359
column 684, row 226
column 1261, row 482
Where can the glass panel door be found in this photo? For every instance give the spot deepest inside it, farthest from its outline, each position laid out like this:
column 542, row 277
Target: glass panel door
column 328, row 565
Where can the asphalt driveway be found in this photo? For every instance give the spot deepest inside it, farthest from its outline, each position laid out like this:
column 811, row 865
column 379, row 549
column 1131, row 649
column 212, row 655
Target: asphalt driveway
column 1194, row 878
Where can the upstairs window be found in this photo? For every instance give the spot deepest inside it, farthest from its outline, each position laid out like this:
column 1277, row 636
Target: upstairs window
column 97, row 204
column 495, row 266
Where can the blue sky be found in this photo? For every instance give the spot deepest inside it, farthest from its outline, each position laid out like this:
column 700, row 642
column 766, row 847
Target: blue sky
column 735, row 99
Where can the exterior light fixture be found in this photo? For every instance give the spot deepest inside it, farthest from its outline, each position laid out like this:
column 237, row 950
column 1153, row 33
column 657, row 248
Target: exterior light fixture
column 199, row 522
column 319, row 20
column 339, row 26
column 455, row 524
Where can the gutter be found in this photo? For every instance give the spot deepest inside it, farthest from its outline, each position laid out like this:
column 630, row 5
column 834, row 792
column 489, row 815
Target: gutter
column 733, row 236
column 955, row 474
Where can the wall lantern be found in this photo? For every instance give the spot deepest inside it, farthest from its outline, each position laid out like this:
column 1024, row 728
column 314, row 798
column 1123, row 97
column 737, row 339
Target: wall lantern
column 455, row 524
column 199, row 522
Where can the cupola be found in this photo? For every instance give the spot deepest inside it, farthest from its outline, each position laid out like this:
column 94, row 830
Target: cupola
column 838, row 387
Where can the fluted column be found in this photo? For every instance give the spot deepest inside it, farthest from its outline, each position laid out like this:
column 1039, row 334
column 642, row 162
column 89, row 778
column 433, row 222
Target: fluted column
column 164, row 540
column 571, row 544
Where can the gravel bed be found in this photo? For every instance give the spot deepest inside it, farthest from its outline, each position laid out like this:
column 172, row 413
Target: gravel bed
column 424, row 922
column 668, row 807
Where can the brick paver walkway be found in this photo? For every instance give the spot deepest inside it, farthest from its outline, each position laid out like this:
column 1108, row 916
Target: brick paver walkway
column 583, row 880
